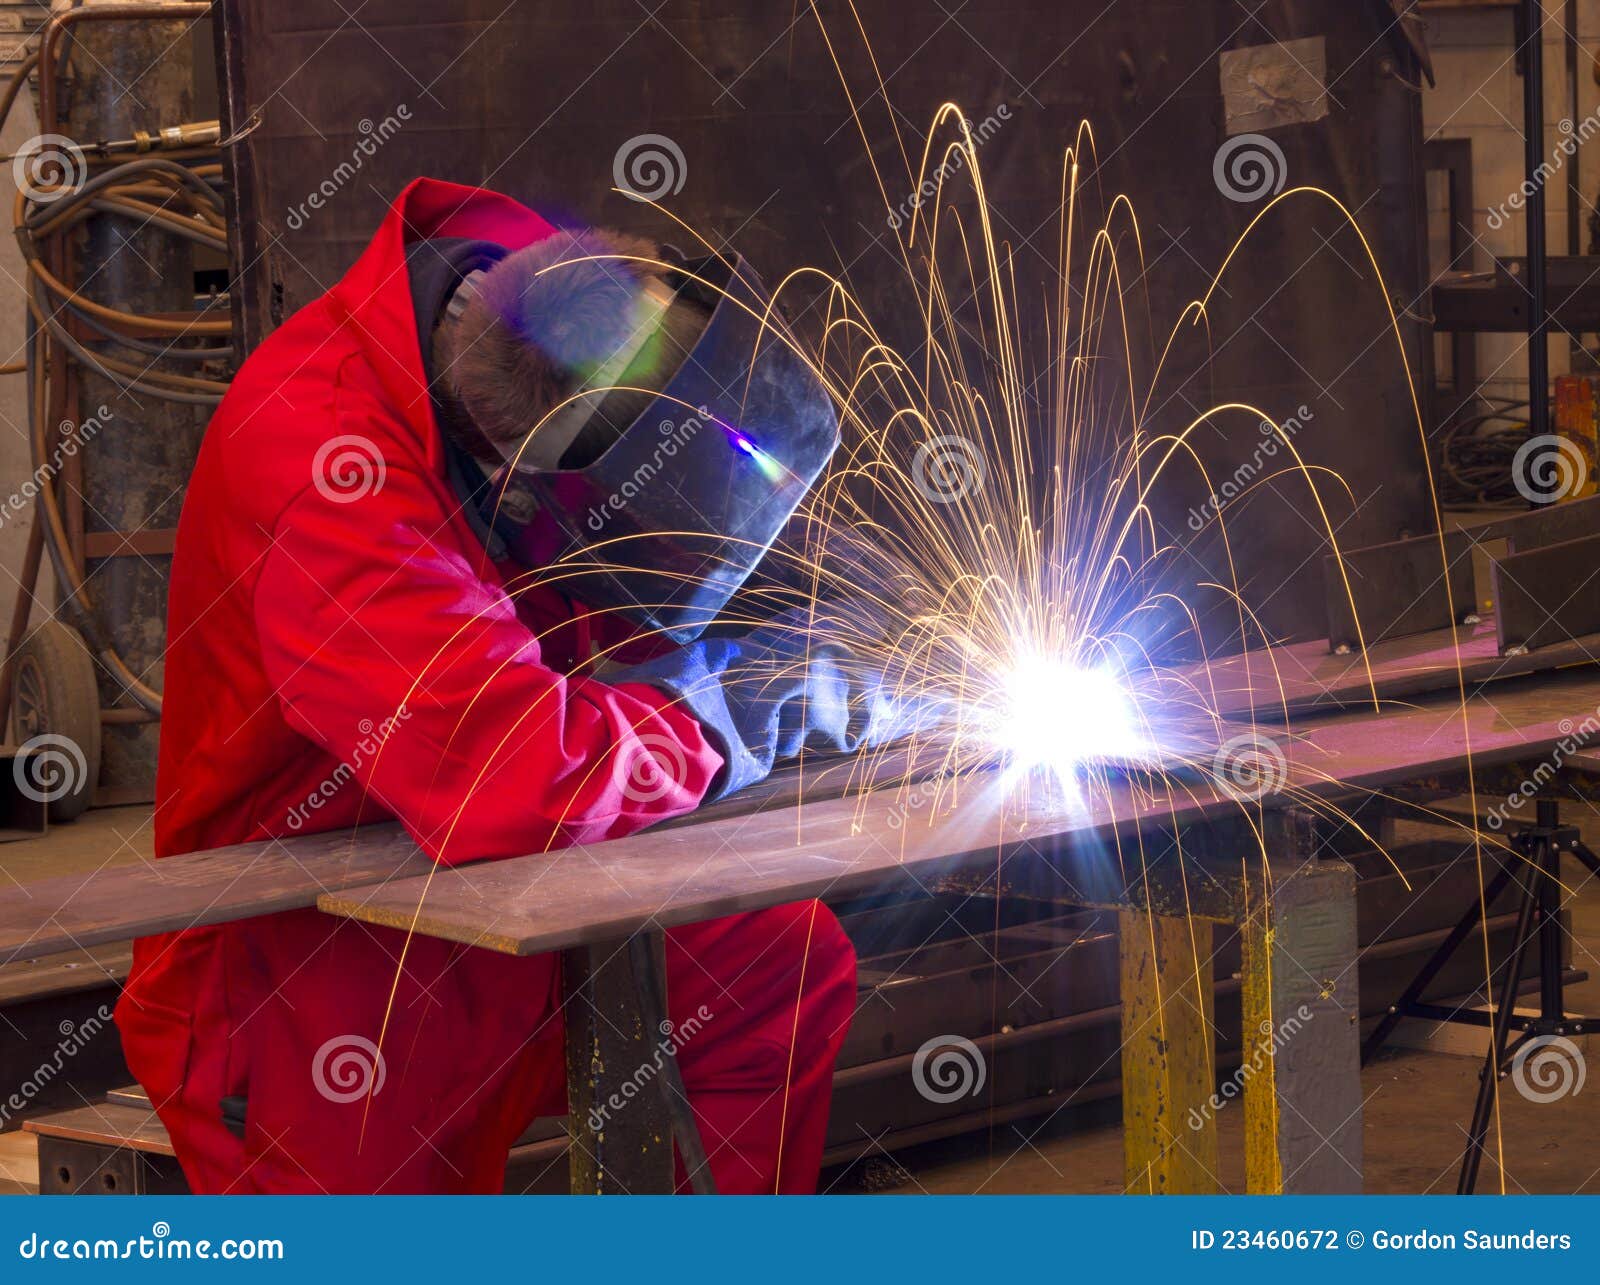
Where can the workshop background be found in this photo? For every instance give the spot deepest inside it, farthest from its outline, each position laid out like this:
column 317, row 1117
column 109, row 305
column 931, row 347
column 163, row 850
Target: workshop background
column 735, row 116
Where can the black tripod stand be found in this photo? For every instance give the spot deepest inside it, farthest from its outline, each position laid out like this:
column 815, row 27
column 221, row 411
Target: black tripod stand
column 1538, row 932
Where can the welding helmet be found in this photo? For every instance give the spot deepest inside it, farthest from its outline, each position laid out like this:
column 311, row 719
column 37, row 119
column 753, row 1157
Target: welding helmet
column 672, row 514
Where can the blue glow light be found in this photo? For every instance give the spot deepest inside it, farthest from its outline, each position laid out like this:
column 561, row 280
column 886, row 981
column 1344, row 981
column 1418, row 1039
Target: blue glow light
column 768, row 466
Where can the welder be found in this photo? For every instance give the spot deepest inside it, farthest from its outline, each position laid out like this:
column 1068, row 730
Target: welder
column 365, row 624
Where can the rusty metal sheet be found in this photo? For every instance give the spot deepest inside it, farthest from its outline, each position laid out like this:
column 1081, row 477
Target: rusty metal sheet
column 1547, row 595
column 53, row 916
column 1305, row 676
column 1405, row 587
column 668, row 877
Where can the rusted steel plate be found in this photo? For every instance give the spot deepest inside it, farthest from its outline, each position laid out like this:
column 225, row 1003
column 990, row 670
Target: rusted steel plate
column 1305, row 676
column 112, row 905
column 695, row 872
column 1547, row 595
column 1407, row 587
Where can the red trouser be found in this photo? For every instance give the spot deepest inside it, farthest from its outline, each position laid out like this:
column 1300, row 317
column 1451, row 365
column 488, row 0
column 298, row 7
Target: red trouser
column 473, row 1052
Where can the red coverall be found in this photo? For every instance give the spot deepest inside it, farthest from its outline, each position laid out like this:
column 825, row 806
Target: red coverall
column 308, row 604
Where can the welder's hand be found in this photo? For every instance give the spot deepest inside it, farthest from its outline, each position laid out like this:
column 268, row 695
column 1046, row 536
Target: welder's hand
column 780, row 689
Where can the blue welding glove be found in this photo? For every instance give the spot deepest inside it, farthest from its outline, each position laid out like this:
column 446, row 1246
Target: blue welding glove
column 768, row 695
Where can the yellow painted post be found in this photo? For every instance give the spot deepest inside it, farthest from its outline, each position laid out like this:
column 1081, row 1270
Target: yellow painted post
column 1301, row 1071
column 1168, row 1055
column 1263, row 1167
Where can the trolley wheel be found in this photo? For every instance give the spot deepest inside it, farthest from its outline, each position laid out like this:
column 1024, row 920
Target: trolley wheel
column 56, row 713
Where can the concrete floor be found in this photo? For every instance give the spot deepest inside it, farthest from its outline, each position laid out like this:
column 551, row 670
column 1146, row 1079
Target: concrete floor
column 100, row 837
column 1417, row 1102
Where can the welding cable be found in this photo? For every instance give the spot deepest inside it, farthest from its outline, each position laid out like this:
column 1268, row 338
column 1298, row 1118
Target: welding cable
column 128, row 376
column 189, row 228
column 650, row 983
column 116, row 202
column 179, row 199
column 170, row 351
column 1476, row 459
column 41, row 217
column 133, row 321
column 33, row 225
column 134, row 200
column 75, row 599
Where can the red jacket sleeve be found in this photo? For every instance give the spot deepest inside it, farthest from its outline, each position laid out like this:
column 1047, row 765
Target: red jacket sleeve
column 369, row 618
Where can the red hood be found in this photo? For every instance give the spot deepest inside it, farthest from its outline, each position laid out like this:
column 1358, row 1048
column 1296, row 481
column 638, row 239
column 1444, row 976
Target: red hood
column 375, row 295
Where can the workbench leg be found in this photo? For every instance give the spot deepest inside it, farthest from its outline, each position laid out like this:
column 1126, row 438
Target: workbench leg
column 1169, row 1131
column 1301, row 1073
column 621, row 1130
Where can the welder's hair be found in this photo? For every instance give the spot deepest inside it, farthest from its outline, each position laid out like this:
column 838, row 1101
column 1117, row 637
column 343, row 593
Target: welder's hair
column 541, row 317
